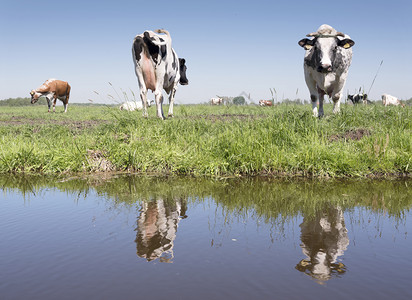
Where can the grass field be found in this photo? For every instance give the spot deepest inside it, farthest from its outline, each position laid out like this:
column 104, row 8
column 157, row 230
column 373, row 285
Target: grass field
column 203, row 140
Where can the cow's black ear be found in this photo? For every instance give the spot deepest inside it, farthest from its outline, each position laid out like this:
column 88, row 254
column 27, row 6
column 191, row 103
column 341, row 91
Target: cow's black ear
column 306, row 43
column 346, row 43
column 182, row 61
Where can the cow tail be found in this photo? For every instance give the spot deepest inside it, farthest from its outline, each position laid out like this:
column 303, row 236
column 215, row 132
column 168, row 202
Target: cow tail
column 165, row 32
column 67, row 89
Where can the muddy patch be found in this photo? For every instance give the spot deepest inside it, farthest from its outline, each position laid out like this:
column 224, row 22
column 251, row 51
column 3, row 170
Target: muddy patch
column 353, row 134
column 228, row 117
column 79, row 125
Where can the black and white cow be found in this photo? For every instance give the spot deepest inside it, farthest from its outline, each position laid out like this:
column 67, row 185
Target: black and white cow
column 157, row 67
column 358, row 98
column 326, row 64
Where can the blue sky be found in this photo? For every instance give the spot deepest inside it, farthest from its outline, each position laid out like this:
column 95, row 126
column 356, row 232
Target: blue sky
column 229, row 46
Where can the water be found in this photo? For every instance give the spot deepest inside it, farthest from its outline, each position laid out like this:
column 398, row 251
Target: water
column 129, row 237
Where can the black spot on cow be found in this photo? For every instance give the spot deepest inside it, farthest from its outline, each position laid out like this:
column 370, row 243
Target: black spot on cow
column 174, row 65
column 163, row 51
column 153, row 49
column 138, row 46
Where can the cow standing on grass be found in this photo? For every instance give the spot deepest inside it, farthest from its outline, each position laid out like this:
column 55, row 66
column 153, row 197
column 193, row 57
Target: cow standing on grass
column 157, row 67
column 357, row 98
column 326, row 64
column 216, row 101
column 265, row 103
column 391, row 100
column 52, row 89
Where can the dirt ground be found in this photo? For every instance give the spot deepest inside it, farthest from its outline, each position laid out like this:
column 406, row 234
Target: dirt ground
column 354, row 135
column 21, row 121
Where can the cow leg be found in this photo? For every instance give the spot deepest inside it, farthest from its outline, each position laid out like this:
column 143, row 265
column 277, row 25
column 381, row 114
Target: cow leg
column 172, row 100
column 336, row 103
column 143, row 90
column 143, row 97
column 314, row 94
column 159, row 102
column 54, row 103
column 66, row 103
column 48, row 103
column 314, row 99
column 321, row 98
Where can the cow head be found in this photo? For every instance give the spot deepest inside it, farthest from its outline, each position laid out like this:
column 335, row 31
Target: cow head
column 182, row 67
column 322, row 50
column 34, row 96
column 357, row 98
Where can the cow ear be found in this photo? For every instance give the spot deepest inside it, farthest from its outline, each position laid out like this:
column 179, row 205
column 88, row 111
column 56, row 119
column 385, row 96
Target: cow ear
column 306, row 44
column 182, row 61
column 346, row 43
column 32, row 93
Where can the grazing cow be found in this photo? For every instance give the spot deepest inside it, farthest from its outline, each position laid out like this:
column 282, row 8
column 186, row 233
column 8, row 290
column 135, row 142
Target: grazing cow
column 216, row 101
column 326, row 64
column 265, row 103
column 157, row 67
column 357, row 98
column 52, row 89
column 391, row 100
column 133, row 105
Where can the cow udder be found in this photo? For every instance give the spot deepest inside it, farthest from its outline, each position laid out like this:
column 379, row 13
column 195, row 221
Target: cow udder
column 148, row 73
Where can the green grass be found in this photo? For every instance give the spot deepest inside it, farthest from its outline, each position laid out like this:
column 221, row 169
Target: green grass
column 203, row 140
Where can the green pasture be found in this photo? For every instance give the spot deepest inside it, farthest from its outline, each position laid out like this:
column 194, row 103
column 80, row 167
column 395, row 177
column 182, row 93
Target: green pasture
column 204, row 140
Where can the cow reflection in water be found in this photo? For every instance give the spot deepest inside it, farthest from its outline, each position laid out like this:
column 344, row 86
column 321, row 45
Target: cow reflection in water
column 324, row 238
column 157, row 227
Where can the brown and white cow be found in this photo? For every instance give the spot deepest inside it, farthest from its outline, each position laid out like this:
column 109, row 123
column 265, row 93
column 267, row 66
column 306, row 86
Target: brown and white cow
column 391, row 100
column 52, row 89
column 265, row 103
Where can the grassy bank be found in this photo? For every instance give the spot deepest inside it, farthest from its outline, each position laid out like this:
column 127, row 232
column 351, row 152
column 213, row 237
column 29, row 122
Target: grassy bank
column 209, row 140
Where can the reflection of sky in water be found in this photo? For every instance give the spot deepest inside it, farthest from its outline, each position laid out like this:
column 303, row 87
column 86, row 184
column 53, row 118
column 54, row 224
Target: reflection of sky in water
column 85, row 244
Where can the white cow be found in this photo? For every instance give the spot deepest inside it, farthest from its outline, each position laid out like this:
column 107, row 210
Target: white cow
column 216, row 101
column 327, row 59
column 133, row 105
column 391, row 100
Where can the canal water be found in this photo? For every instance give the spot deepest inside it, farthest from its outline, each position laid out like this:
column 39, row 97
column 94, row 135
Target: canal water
column 131, row 237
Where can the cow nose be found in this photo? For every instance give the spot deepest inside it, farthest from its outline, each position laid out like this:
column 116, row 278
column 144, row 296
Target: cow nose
column 325, row 68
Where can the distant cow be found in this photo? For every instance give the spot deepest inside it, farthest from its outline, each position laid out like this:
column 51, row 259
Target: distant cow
column 133, row 105
column 357, row 98
column 52, row 89
column 216, row 101
column 157, row 67
column 265, row 103
column 391, row 100
column 327, row 59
